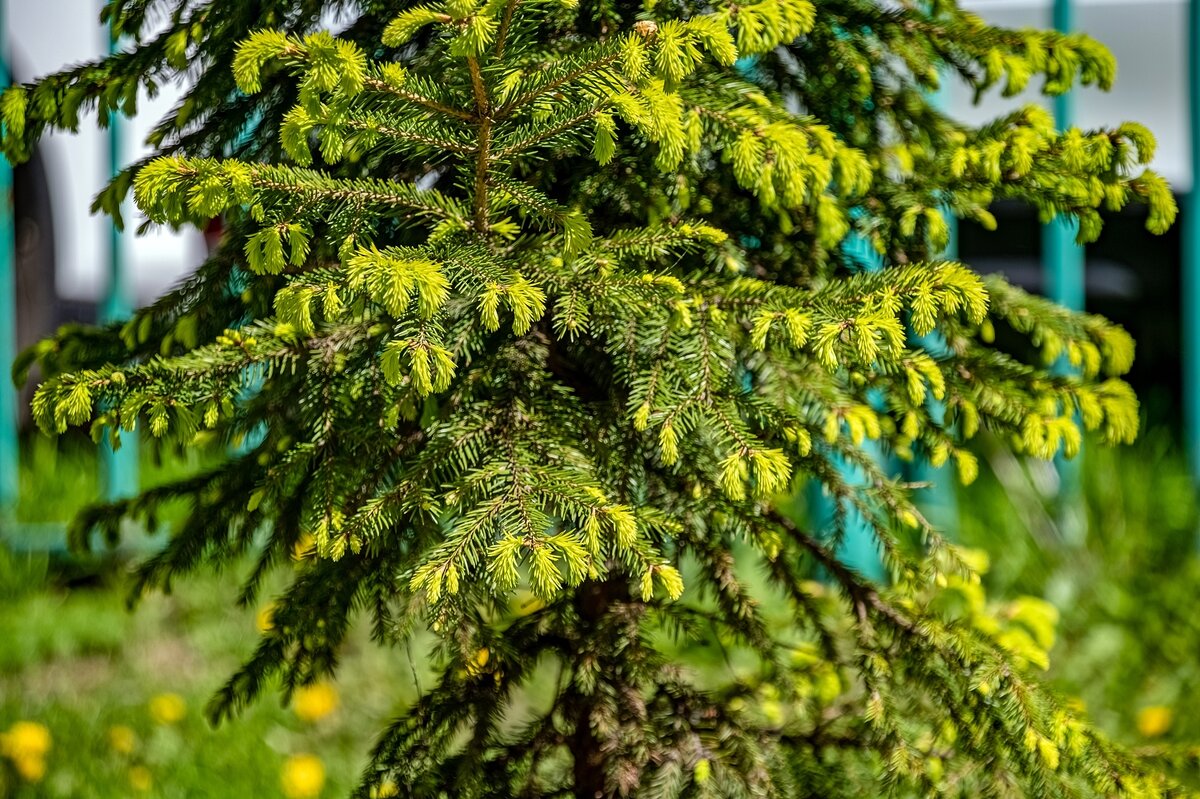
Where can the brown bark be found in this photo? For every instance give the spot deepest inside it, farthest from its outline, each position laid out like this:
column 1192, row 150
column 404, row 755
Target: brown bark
column 593, row 602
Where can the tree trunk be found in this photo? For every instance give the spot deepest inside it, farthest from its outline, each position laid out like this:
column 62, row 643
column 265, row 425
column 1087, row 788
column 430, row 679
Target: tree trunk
column 593, row 602
column 589, row 762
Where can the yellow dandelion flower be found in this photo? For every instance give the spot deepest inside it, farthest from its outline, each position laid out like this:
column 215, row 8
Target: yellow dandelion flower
column 25, row 739
column 265, row 620
column 303, row 777
column 167, row 708
column 1154, row 721
column 122, row 739
column 385, row 790
column 141, row 779
column 31, row 767
column 314, row 702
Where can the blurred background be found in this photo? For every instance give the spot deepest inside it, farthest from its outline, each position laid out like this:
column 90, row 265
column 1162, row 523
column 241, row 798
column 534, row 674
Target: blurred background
column 97, row 702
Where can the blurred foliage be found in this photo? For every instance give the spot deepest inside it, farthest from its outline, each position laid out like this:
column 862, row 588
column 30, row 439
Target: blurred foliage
column 1124, row 573
column 97, row 702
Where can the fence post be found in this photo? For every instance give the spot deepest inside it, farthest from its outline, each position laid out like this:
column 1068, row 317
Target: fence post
column 1191, row 255
column 118, row 468
column 1063, row 272
column 9, row 455
column 1062, row 258
column 939, row 501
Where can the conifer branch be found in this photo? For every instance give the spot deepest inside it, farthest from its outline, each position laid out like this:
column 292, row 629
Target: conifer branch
column 410, row 136
column 383, row 87
column 507, row 411
column 606, row 56
column 484, row 120
column 502, row 35
column 526, row 142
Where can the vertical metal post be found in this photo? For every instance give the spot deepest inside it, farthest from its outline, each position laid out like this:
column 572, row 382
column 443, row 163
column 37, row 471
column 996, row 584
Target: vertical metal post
column 938, row 502
column 857, row 548
column 118, row 468
column 9, row 456
column 1063, row 271
column 1191, row 255
column 1062, row 258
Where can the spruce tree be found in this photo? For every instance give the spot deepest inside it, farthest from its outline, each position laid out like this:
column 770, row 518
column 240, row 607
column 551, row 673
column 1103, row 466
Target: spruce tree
column 528, row 316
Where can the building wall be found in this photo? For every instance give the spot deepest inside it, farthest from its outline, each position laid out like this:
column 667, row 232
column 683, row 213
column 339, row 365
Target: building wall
column 1149, row 40
column 43, row 36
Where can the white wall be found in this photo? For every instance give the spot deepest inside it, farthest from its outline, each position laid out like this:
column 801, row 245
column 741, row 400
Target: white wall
column 1149, row 40
column 45, row 35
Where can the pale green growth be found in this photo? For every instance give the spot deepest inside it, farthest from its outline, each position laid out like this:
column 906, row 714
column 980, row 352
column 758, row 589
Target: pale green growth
column 392, row 281
column 430, row 366
column 764, row 25
column 714, row 36
column 967, row 466
column 13, row 108
column 667, row 576
column 406, row 24
column 668, row 441
column 256, row 52
column 526, row 311
column 604, row 146
column 265, row 250
column 326, row 62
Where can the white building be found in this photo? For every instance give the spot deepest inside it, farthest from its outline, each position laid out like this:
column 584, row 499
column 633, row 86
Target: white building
column 1147, row 36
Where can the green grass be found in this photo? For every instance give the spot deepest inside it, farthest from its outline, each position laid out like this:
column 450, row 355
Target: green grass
column 59, row 476
column 1123, row 567
column 1124, row 574
column 73, row 659
column 77, row 662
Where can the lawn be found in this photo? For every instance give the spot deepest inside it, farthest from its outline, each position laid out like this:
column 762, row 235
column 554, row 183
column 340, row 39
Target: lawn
column 99, row 702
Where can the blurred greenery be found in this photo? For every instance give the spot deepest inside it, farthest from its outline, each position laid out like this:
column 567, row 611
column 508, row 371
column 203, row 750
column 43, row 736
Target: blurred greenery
column 1123, row 568
column 122, row 695
column 98, row 702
